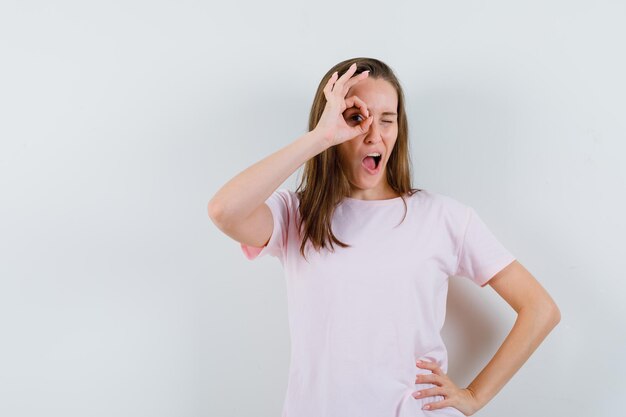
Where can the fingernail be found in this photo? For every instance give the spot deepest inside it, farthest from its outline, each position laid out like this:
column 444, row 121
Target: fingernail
column 419, row 361
column 426, row 407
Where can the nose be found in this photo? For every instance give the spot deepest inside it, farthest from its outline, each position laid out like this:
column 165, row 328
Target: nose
column 373, row 134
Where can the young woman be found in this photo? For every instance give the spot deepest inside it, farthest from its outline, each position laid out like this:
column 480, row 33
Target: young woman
column 363, row 314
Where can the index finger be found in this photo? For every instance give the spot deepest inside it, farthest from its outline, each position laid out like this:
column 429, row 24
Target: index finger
column 354, row 101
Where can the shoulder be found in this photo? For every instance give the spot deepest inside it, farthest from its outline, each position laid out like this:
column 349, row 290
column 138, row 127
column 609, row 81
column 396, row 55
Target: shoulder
column 284, row 194
column 448, row 210
column 288, row 197
column 283, row 202
column 440, row 201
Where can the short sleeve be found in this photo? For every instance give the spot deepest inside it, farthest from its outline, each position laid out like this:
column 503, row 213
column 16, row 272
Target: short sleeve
column 280, row 205
column 481, row 255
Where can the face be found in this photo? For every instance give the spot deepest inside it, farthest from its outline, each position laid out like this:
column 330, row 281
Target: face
column 382, row 102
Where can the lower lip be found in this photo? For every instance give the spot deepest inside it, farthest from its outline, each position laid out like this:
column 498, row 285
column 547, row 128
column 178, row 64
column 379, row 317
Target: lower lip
column 373, row 171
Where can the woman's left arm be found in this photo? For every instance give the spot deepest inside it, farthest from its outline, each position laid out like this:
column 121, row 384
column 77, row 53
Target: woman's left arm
column 537, row 315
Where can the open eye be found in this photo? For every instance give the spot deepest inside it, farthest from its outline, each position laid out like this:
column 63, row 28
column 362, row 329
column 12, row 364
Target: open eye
column 356, row 115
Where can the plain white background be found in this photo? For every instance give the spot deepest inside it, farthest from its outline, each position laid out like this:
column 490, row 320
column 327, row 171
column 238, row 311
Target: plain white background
column 120, row 119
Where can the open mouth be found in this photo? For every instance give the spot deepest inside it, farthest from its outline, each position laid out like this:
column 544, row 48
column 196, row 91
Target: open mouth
column 371, row 163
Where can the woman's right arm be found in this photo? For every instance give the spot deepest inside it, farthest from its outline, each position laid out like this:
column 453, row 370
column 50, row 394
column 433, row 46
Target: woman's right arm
column 238, row 208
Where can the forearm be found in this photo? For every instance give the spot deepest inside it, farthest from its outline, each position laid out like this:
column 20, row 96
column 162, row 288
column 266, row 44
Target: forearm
column 240, row 196
column 530, row 328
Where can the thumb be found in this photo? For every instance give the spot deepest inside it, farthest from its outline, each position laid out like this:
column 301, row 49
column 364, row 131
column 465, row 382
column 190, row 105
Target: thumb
column 364, row 126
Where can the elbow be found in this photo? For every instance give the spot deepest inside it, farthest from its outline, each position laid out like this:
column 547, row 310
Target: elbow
column 555, row 313
column 213, row 209
column 216, row 213
column 547, row 312
column 551, row 314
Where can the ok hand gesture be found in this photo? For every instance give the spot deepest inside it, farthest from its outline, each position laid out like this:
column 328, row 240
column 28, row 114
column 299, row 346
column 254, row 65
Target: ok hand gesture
column 332, row 125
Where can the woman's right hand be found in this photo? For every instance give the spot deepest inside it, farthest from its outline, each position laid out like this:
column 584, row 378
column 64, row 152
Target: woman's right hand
column 332, row 126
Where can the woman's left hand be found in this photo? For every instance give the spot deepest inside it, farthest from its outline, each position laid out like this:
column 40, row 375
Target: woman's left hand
column 460, row 398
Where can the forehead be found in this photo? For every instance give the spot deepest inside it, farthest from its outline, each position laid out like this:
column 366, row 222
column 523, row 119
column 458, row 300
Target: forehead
column 379, row 95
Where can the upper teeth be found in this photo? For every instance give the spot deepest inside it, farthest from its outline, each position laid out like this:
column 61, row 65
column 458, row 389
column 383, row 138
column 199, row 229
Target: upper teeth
column 373, row 154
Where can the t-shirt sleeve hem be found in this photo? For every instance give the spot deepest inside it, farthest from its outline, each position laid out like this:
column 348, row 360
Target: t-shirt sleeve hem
column 253, row 252
column 493, row 269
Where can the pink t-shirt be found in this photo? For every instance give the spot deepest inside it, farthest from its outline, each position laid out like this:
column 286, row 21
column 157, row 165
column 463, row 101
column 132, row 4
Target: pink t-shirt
column 360, row 317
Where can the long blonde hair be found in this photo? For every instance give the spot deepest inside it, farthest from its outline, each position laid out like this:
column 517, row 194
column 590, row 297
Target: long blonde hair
column 324, row 184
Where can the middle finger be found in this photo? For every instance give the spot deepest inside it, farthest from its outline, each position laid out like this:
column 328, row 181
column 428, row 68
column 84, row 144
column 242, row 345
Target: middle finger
column 428, row 378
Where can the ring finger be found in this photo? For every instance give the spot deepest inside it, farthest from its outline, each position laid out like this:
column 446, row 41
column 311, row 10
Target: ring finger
column 428, row 392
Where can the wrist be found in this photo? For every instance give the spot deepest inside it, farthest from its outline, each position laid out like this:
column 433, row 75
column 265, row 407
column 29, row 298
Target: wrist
column 317, row 140
column 477, row 403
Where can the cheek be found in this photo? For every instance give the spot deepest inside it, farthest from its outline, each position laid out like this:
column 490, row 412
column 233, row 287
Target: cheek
column 391, row 133
column 390, row 139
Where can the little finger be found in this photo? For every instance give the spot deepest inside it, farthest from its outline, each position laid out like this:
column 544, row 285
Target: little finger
column 329, row 84
column 435, row 405
column 345, row 77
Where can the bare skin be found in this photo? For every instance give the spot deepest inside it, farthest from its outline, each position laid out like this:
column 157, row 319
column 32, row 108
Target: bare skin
column 370, row 109
column 239, row 211
column 537, row 312
column 537, row 315
column 381, row 100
